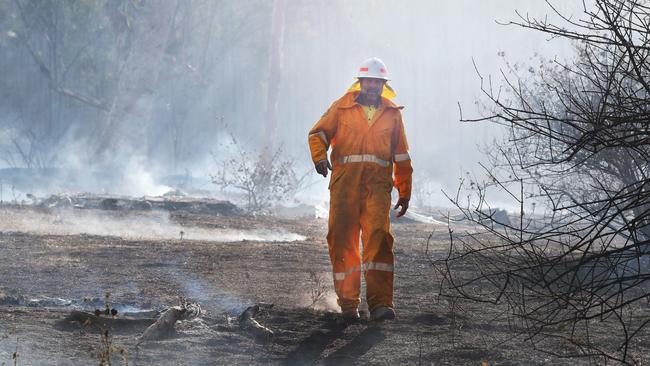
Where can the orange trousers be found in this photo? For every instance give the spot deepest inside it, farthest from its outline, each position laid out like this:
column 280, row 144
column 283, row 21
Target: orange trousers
column 360, row 200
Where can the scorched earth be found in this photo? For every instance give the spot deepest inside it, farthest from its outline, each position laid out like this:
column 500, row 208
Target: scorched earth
column 62, row 263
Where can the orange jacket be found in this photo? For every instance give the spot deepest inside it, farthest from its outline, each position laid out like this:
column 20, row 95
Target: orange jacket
column 382, row 143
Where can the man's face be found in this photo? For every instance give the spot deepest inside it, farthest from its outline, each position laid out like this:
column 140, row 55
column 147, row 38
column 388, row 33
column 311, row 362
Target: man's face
column 371, row 88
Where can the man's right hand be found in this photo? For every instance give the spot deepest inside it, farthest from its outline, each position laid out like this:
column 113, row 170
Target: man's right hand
column 322, row 166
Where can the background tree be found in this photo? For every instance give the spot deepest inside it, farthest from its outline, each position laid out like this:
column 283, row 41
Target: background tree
column 147, row 26
column 123, row 78
column 576, row 159
column 52, row 43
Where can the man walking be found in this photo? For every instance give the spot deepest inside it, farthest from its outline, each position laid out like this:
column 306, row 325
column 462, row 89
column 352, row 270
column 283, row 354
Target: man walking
column 369, row 157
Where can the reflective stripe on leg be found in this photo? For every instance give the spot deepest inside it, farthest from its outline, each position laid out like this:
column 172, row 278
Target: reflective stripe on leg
column 340, row 276
column 386, row 267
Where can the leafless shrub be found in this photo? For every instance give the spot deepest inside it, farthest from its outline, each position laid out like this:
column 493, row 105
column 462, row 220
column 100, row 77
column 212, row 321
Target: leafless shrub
column 423, row 193
column 265, row 178
column 456, row 324
column 15, row 356
column 574, row 263
column 106, row 348
column 318, row 288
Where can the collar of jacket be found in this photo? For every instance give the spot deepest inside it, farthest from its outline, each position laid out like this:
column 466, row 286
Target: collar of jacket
column 349, row 100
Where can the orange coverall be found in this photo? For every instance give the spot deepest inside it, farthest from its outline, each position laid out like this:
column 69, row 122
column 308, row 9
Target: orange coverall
column 365, row 156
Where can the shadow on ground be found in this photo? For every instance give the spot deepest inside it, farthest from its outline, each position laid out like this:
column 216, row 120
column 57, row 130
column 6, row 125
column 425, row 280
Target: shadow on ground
column 334, row 341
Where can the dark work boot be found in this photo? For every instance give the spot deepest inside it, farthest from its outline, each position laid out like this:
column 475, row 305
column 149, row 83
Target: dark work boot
column 382, row 313
column 351, row 315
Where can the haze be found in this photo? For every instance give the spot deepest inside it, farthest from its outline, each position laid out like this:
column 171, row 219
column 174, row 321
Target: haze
column 215, row 78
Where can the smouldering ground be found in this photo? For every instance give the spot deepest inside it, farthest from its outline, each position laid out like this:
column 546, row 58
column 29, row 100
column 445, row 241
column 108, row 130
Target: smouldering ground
column 152, row 272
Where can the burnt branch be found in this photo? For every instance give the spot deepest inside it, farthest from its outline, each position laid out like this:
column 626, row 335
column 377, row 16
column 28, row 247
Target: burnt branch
column 576, row 256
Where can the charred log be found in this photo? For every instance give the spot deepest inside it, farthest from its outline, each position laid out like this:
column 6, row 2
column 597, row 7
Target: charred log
column 163, row 328
column 248, row 322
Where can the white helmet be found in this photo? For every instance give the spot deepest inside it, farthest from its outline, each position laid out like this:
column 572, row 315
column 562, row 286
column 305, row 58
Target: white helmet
column 373, row 68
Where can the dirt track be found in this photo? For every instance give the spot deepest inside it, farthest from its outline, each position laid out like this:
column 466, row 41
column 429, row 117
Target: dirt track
column 224, row 278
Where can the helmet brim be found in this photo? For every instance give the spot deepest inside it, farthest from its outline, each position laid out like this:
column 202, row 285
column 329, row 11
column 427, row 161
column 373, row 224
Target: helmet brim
column 371, row 77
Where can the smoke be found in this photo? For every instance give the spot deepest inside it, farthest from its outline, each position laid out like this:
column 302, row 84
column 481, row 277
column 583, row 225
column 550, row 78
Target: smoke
column 214, row 74
column 206, row 293
column 150, row 226
column 140, row 182
column 326, row 303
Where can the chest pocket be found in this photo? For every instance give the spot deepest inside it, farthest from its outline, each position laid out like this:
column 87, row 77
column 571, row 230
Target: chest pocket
column 348, row 131
column 383, row 136
column 347, row 125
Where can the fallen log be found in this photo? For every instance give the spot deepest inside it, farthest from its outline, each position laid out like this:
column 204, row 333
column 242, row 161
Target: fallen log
column 163, row 328
column 116, row 324
column 247, row 321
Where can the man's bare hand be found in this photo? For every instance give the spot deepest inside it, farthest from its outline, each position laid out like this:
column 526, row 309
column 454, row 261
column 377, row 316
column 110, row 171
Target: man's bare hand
column 322, row 166
column 404, row 203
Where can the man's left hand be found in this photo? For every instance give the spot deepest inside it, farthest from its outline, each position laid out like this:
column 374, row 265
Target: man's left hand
column 404, row 203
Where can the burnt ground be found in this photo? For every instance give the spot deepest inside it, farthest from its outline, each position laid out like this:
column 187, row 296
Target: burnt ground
column 225, row 278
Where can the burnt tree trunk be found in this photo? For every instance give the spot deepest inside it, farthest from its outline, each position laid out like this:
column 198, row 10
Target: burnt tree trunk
column 129, row 112
column 275, row 73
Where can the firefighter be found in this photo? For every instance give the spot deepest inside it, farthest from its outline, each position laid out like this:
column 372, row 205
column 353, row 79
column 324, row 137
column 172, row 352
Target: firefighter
column 369, row 156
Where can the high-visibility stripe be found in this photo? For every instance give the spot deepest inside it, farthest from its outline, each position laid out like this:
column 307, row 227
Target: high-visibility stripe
column 378, row 266
column 386, row 267
column 364, row 158
column 340, row 276
column 322, row 135
column 402, row 157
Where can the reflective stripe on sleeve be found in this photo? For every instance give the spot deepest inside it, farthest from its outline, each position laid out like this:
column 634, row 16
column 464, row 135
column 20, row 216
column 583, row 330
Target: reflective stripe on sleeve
column 364, row 158
column 322, row 135
column 378, row 266
column 340, row 276
column 401, row 157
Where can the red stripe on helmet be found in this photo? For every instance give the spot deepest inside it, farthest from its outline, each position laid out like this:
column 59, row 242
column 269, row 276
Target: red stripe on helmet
column 363, row 69
column 382, row 70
